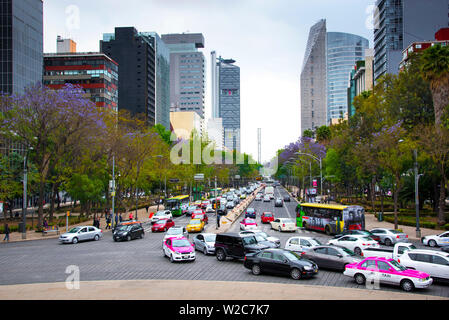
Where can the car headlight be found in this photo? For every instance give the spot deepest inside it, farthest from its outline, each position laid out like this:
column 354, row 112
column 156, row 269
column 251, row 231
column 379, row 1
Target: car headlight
column 307, row 268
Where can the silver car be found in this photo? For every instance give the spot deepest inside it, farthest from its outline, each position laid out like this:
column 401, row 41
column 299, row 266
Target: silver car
column 389, row 236
column 82, row 233
column 205, row 242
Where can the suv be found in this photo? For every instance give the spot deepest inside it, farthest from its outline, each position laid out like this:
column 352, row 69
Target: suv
column 236, row 246
column 250, row 213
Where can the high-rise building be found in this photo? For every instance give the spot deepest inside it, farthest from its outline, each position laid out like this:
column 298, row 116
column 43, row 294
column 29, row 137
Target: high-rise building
column 65, row 45
column 144, row 72
column 398, row 23
column 21, row 50
column 228, row 85
column 343, row 51
column 96, row 73
column 187, row 72
column 313, row 79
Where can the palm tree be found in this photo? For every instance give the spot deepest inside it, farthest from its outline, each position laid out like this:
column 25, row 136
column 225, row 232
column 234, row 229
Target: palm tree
column 435, row 69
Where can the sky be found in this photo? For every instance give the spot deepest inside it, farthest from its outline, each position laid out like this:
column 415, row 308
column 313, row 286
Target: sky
column 267, row 38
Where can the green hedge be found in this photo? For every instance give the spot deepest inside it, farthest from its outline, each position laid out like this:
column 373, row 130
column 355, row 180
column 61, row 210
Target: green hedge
column 13, row 228
column 411, row 222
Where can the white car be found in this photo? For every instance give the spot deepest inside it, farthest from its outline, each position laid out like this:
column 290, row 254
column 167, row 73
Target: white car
column 435, row 263
column 275, row 240
column 81, row 234
column 176, row 232
column 440, row 240
column 266, row 199
column 209, row 209
column 356, row 243
column 301, row 244
column 164, row 214
column 283, row 224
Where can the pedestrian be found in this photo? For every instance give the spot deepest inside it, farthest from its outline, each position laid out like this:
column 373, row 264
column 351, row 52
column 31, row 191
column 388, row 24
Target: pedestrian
column 7, row 231
column 130, row 217
column 147, row 207
column 116, row 219
column 218, row 220
column 120, row 217
column 45, row 223
column 95, row 221
column 108, row 221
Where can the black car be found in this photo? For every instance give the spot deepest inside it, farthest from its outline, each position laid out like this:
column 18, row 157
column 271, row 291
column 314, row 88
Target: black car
column 128, row 232
column 236, row 246
column 222, row 211
column 281, row 262
column 250, row 213
column 278, row 202
column 287, row 199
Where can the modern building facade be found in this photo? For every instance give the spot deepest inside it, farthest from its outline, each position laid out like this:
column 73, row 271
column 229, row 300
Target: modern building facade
column 186, row 122
column 398, row 23
column 187, row 72
column 343, row 51
column 313, row 79
column 215, row 132
column 96, row 73
column 21, row 50
column 65, row 45
column 144, row 73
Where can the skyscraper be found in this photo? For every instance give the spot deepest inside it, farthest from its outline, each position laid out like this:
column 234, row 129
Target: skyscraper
column 187, row 72
column 343, row 50
column 398, row 23
column 21, row 50
column 144, row 73
column 313, row 79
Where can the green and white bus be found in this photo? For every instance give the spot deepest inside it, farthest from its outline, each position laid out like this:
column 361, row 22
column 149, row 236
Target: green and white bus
column 176, row 204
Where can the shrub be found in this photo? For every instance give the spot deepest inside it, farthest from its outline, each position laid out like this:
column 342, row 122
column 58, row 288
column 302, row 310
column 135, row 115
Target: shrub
column 446, row 226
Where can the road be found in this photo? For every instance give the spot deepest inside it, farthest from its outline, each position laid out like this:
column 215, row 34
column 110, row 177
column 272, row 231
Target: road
column 46, row 260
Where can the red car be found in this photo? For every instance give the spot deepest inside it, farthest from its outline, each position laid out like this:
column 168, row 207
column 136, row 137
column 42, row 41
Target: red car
column 204, row 204
column 267, row 217
column 198, row 211
column 162, row 225
column 200, row 215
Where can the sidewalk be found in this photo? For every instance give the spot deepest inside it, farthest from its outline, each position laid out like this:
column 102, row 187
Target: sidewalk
column 196, row 290
column 32, row 235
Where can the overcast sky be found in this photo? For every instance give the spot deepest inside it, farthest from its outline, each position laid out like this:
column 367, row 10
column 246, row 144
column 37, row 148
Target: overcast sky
column 267, row 38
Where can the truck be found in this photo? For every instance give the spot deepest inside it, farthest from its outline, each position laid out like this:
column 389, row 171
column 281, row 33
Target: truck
column 269, row 191
column 389, row 253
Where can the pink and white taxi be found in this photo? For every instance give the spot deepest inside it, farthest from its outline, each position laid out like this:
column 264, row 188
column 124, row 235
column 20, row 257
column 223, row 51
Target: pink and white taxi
column 178, row 249
column 382, row 270
column 248, row 224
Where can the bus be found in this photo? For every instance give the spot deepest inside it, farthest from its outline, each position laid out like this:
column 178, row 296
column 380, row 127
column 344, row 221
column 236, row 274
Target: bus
column 330, row 218
column 174, row 204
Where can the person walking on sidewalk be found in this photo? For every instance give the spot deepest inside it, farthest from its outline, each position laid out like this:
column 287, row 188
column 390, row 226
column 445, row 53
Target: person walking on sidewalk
column 130, row 216
column 218, row 220
column 7, row 231
column 108, row 221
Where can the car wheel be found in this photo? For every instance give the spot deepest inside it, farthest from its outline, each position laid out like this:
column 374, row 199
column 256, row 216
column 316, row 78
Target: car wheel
column 221, row 255
column 358, row 251
column 359, row 278
column 96, row 238
column 172, row 259
column 128, row 238
column 388, row 242
column 304, row 225
column 279, row 229
column 115, row 239
column 205, row 251
column 75, row 240
column 256, row 270
column 432, row 243
column 328, row 230
column 407, row 285
column 295, row 274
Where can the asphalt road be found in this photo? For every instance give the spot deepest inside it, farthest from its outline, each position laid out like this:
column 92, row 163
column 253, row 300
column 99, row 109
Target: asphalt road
column 46, row 260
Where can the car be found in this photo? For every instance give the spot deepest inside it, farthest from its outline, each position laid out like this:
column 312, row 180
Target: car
column 243, row 196
column 128, row 232
column 393, row 253
column 248, row 224
column 195, row 225
column 82, row 233
column 236, row 246
column 202, row 216
column 276, row 241
column 356, row 243
column 258, row 197
column 266, row 198
column 162, row 225
column 190, row 210
column 332, row 257
column 439, row 240
column 357, row 232
column 204, row 204
column 164, row 214
column 178, row 249
column 184, row 208
column 283, row 224
column 286, row 198
column 389, row 237
column 209, row 209
column 197, row 211
column 445, row 249
column 301, row 244
column 388, row 271
column 278, row 202
column 197, row 203
column 176, row 232
column 250, row 213
column 435, row 263
column 267, row 217
column 280, row 262
column 205, row 242
column 230, row 205
column 126, row 223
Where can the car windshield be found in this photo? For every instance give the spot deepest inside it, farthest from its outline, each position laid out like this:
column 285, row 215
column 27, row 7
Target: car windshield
column 315, row 242
column 367, row 238
column 161, row 221
column 292, row 256
column 192, row 208
column 249, row 240
column 347, row 252
column 250, row 221
column 260, row 238
column 287, row 221
column 123, row 228
column 210, row 237
column 199, row 216
column 195, row 221
column 250, row 210
column 395, row 231
column 267, row 214
column 174, row 231
column 263, row 234
column 160, row 213
column 397, row 266
column 74, row 230
column 181, row 243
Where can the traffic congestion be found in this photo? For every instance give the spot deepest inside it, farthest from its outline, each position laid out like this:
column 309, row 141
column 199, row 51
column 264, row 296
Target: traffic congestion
column 286, row 239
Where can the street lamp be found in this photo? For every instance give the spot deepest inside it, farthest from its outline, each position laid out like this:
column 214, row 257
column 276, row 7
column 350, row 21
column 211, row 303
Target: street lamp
column 321, row 167
column 24, row 204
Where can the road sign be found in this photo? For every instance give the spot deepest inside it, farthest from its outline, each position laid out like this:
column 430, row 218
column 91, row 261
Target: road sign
column 237, row 177
column 315, row 183
column 199, row 176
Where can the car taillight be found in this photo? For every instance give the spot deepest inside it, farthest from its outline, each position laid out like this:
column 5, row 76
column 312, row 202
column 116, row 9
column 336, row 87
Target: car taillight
column 399, row 260
column 283, row 225
column 245, row 258
column 406, row 235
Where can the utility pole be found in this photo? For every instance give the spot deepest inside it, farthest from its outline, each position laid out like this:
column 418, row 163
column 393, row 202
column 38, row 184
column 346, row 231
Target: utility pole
column 24, row 205
column 418, row 230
